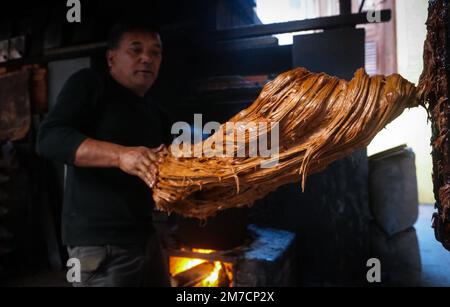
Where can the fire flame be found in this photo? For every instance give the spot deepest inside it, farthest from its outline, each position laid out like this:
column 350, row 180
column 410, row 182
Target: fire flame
column 180, row 264
column 213, row 279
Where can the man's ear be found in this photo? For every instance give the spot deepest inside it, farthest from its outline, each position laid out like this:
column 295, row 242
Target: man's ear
column 110, row 57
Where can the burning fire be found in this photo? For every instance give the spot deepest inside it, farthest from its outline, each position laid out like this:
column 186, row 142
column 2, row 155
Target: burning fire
column 200, row 272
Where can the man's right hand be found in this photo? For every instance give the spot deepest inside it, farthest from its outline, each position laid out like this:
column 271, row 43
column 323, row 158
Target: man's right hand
column 137, row 161
column 141, row 162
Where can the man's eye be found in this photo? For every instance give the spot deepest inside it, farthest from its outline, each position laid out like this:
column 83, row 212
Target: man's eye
column 136, row 50
column 156, row 53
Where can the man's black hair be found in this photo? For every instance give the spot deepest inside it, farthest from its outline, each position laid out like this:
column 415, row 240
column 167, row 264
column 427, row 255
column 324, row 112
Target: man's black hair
column 129, row 25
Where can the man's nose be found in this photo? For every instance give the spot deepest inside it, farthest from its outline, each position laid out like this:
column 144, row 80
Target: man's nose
column 147, row 59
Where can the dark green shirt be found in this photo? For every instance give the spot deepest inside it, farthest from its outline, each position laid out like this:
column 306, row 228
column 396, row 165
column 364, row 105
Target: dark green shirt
column 102, row 205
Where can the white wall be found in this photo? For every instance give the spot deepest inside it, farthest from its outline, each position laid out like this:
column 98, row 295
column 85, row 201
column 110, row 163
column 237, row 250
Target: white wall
column 273, row 11
column 411, row 127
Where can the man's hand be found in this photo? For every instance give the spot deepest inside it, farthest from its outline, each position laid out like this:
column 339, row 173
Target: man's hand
column 141, row 162
column 137, row 161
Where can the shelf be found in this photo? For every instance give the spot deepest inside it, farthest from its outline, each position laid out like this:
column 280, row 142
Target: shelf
column 56, row 54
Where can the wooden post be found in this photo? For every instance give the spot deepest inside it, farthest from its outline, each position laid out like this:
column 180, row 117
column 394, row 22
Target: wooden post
column 433, row 90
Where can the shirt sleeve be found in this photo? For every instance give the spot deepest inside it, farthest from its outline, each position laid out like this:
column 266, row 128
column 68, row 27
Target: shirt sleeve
column 63, row 130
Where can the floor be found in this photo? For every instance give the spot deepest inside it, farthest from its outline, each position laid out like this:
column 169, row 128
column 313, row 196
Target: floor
column 44, row 278
column 435, row 258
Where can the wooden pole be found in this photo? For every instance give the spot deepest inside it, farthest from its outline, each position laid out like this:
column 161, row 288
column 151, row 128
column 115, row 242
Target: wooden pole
column 433, row 90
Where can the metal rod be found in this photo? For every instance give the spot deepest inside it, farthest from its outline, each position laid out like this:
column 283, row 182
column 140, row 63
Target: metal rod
column 298, row 25
column 361, row 6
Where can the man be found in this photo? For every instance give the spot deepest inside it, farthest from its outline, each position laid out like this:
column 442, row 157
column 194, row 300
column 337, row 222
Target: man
column 108, row 132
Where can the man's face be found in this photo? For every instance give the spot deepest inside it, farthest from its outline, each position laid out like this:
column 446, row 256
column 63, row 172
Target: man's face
column 135, row 62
